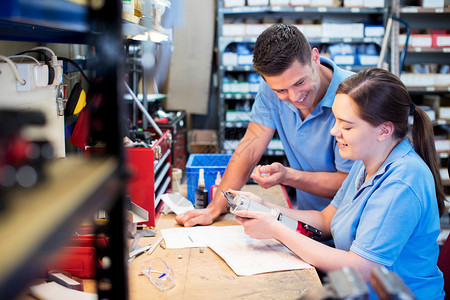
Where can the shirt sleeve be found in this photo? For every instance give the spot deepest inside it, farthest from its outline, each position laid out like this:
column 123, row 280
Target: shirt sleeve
column 380, row 236
column 264, row 106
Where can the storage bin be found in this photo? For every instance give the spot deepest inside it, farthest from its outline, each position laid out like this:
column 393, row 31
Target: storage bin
column 211, row 164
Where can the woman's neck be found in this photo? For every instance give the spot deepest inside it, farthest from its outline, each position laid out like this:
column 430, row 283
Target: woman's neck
column 376, row 161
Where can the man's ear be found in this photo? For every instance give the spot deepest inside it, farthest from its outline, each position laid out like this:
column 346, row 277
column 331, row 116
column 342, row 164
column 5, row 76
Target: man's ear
column 315, row 56
column 386, row 130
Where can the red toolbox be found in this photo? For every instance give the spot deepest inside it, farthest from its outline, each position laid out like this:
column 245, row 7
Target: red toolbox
column 79, row 258
column 151, row 172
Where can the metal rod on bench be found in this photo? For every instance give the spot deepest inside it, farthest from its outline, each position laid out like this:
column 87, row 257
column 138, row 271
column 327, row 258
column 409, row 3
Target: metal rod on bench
column 144, row 110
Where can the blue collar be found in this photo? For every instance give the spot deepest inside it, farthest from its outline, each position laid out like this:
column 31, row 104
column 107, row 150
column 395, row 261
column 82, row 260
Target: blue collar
column 401, row 150
column 328, row 98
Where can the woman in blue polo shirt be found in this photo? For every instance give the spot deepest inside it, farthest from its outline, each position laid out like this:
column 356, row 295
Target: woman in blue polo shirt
column 387, row 210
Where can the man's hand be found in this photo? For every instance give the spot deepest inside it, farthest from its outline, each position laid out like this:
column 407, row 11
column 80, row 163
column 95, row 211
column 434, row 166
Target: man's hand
column 269, row 175
column 204, row 216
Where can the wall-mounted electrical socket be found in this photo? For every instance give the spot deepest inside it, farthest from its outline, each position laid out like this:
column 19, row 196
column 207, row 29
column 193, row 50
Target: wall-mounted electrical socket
column 58, row 66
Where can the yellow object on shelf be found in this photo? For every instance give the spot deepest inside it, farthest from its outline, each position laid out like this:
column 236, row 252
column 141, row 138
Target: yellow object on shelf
column 130, row 18
column 138, row 8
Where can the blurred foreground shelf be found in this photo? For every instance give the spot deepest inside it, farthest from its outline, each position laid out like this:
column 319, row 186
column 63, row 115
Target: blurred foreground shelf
column 36, row 221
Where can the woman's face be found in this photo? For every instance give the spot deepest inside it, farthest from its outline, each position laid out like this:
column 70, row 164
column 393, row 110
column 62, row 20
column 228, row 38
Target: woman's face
column 357, row 139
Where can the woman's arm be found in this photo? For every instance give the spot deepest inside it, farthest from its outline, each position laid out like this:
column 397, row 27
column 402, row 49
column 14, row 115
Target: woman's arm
column 318, row 219
column 263, row 225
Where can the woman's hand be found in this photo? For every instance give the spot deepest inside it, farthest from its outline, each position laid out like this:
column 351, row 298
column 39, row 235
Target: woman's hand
column 257, row 224
column 269, row 175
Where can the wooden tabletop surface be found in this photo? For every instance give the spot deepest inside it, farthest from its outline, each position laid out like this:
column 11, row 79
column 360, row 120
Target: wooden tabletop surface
column 205, row 275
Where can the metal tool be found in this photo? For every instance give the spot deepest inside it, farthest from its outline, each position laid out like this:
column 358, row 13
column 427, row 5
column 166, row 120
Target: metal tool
column 345, row 283
column 241, row 202
column 388, row 285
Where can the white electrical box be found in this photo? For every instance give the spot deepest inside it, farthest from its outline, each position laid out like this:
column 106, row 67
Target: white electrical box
column 35, row 94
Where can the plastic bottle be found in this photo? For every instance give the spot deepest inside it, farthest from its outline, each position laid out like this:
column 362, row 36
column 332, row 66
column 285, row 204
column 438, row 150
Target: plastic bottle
column 201, row 194
column 215, row 186
column 177, row 174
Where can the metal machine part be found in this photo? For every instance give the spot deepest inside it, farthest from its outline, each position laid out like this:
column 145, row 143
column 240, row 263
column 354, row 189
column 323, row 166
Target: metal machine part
column 345, row 283
column 388, row 285
column 241, row 202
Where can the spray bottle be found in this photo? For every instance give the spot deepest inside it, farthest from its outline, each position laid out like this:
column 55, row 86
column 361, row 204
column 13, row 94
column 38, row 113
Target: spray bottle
column 215, row 186
column 201, row 194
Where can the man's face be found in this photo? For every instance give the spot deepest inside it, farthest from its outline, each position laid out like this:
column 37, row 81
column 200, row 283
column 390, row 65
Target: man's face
column 298, row 85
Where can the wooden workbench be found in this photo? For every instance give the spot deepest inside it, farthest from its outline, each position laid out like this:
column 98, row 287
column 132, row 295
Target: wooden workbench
column 206, row 276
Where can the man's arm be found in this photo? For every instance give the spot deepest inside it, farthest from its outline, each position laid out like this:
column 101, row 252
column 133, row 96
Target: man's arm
column 245, row 157
column 323, row 184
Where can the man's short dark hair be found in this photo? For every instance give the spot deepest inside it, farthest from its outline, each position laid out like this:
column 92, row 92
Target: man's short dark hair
column 277, row 48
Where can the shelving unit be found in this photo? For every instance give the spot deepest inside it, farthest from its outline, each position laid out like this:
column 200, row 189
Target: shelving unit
column 44, row 21
column 39, row 220
column 239, row 27
column 431, row 90
column 152, row 166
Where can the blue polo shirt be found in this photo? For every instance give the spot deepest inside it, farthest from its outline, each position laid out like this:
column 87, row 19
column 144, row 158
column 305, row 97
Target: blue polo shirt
column 308, row 144
column 393, row 219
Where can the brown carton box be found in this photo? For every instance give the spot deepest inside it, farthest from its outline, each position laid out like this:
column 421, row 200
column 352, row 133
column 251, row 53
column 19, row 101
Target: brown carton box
column 203, row 141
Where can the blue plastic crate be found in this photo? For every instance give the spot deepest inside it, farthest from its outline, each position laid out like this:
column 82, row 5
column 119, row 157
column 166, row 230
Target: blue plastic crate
column 211, row 164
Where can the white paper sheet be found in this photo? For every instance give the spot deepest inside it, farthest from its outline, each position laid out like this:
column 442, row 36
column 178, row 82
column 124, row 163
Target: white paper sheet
column 54, row 291
column 185, row 237
column 176, row 203
column 244, row 255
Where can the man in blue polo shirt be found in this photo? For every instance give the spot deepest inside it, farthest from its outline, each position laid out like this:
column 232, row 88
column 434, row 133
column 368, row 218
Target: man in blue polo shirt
column 295, row 99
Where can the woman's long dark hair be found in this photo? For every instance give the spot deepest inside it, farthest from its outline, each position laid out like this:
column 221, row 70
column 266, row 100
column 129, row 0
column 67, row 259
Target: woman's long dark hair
column 394, row 105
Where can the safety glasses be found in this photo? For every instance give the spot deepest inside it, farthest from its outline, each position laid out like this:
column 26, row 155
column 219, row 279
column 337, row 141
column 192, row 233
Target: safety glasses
column 159, row 273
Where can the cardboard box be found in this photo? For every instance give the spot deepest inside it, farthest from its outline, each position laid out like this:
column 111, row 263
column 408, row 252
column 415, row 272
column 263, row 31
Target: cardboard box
column 245, row 55
column 233, row 29
column 328, row 3
column 233, row 3
column 420, row 40
column 344, row 59
column 353, row 3
column 343, row 30
column 444, row 112
column 374, row 3
column 432, row 3
column 230, row 59
column 416, row 40
column 279, row 2
column 440, row 40
column 310, row 30
column 376, row 31
column 425, row 80
column 368, row 60
column 301, row 2
column 257, row 2
column 203, row 141
column 255, row 29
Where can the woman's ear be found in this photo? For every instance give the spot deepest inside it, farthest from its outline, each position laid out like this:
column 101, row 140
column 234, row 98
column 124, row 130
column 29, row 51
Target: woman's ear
column 386, row 130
